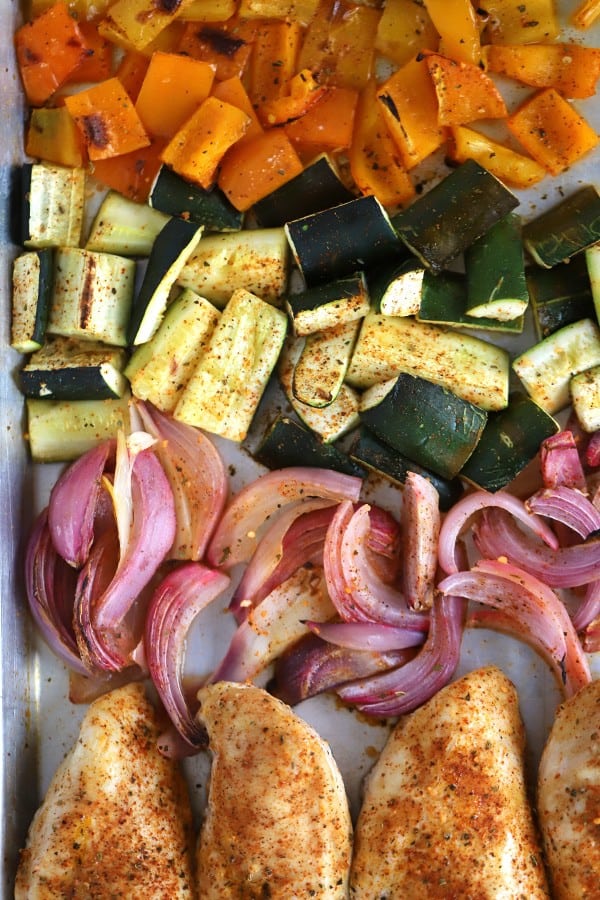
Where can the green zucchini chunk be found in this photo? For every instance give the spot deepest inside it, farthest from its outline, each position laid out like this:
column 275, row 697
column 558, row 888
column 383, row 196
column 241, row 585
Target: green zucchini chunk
column 382, row 460
column 396, row 290
column 444, row 302
column 424, row 421
column 173, row 195
column 125, row 227
column 92, row 297
column 160, row 369
column 289, row 443
column 495, row 269
column 53, row 205
column 316, row 188
column 323, row 363
column 592, row 263
column 546, row 369
column 62, row 430
column 511, row 439
column 32, row 286
column 568, row 228
column 328, row 305
column 585, row 396
column 347, row 238
column 442, row 223
column 256, row 260
column 170, row 251
column 560, row 296
column 67, row 369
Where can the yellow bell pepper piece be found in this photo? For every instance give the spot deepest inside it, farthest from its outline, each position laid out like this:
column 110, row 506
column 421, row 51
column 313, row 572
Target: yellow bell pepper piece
column 571, row 69
column 457, row 24
column 133, row 24
column 521, row 21
column 173, row 88
column 511, row 167
column 53, row 136
column 405, row 27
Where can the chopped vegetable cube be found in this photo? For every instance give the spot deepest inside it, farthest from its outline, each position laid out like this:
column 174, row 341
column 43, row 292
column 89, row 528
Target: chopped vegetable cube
column 107, row 120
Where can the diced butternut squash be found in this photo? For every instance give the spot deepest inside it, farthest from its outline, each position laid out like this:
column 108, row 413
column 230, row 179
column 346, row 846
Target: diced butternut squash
column 404, row 29
column 53, row 136
column 510, row 167
column 521, row 21
column 197, row 148
column 232, row 91
column 552, row 131
column 256, row 167
column 132, row 70
column 209, row 10
column 375, row 162
column 571, row 69
column 173, row 88
column 107, row 120
column 49, row 49
column 132, row 174
column 464, row 93
column 410, row 111
column 456, row 23
column 328, row 124
column 226, row 48
column 134, row 24
column 273, row 59
column 301, row 92
column 586, row 14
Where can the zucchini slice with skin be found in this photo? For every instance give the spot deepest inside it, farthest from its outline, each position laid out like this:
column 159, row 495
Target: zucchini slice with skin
column 288, row 443
column 323, row 362
column 444, row 302
column 124, row 227
column 171, row 249
column 546, row 369
column 66, row 369
column 592, row 261
column 226, row 387
column 474, row 369
column 442, row 223
column 495, row 269
column 511, row 439
column 560, row 296
column 424, row 421
column 62, row 430
column 32, row 286
column 396, row 291
column 53, row 205
column 92, row 297
column 160, row 369
column 176, row 196
column 328, row 305
column 568, row 228
column 585, row 397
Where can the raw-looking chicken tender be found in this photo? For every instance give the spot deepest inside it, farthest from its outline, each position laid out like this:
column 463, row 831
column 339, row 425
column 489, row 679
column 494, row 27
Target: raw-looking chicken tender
column 116, row 820
column 569, row 797
column 277, row 823
column 445, row 811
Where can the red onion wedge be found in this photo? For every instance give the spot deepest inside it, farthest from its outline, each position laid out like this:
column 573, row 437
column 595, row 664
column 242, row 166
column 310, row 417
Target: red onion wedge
column 369, row 635
column 197, row 477
column 589, row 608
column 568, row 506
column 176, row 602
column 421, row 522
column 235, row 538
column 561, row 463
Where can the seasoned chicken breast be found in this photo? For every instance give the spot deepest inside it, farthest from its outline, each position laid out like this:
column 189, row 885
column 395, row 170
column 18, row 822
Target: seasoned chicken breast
column 116, row 820
column 445, row 811
column 277, row 823
column 569, row 797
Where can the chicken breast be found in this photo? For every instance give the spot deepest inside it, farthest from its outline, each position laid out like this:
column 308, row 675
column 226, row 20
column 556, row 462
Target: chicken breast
column 445, row 812
column 277, row 823
column 569, row 797
column 116, row 820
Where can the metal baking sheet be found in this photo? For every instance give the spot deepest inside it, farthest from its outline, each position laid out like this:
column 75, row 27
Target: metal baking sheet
column 38, row 723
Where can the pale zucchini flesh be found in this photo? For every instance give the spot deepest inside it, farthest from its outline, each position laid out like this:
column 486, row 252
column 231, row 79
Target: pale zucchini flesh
column 55, row 206
column 124, row 227
column 68, row 369
column 397, row 292
column 329, row 305
column 444, row 302
column 32, row 278
column 62, row 430
column 585, row 397
column 592, row 261
column 321, row 368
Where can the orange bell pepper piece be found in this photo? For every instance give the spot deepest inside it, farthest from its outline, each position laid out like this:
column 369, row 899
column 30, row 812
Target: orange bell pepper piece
column 457, row 24
column 197, row 148
column 586, row 14
column 232, row 91
column 464, row 93
column 107, row 119
column 510, row 167
column 132, row 174
column 570, row 69
column 49, row 49
column 552, row 131
column 374, row 159
column 273, row 59
column 173, row 88
column 518, row 22
column 132, row 71
column 404, row 29
column 53, row 136
column 97, row 64
column 254, row 168
column 302, row 91
column 227, row 48
column 327, row 126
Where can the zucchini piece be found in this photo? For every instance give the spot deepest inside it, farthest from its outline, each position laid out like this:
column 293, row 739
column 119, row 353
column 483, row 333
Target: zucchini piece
column 444, row 302
column 442, row 223
column 568, row 228
column 257, row 260
column 585, row 396
column 495, row 268
column 328, row 422
column 226, row 387
column 323, row 362
column 396, row 290
column 288, row 443
column 53, row 205
column 345, row 239
column 175, row 196
column 592, row 262
column 32, row 286
column 560, row 295
column 328, row 305
column 424, row 421
column 381, row 459
column 159, row 369
column 474, row 369
column 546, row 368
column 93, row 294
column 316, row 188
column 511, row 439
column 66, row 369
column 62, row 430
column 124, row 227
